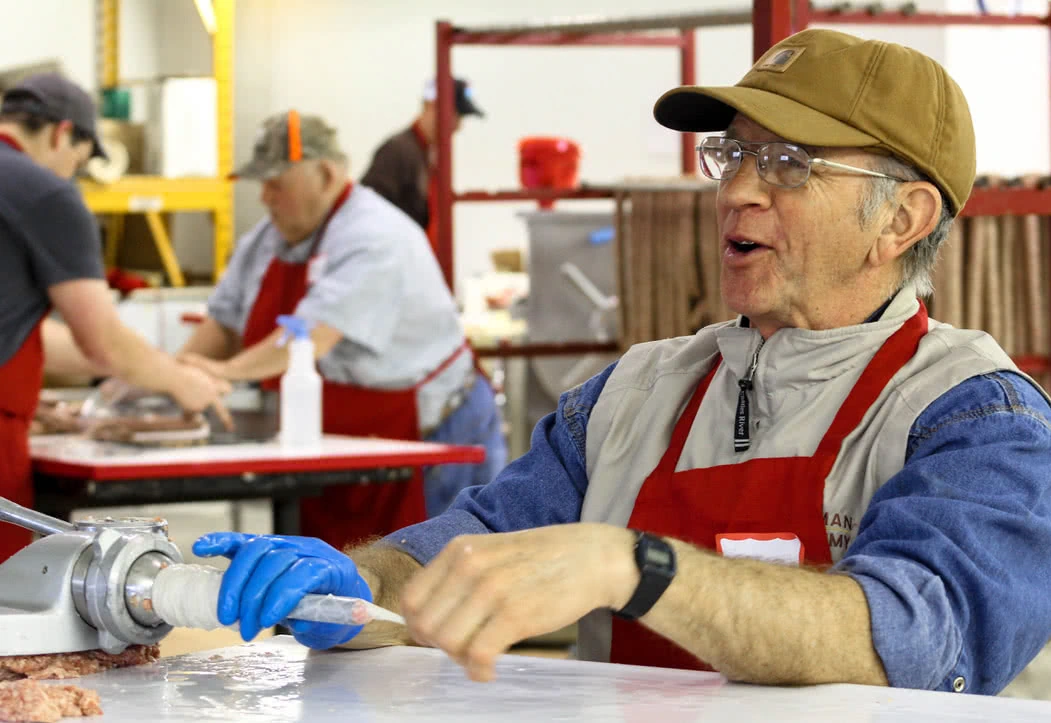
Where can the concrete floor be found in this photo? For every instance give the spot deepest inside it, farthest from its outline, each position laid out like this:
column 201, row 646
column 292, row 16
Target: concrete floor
column 187, row 522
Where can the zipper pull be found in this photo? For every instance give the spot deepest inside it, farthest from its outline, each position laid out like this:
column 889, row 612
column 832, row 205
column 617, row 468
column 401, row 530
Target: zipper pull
column 742, row 440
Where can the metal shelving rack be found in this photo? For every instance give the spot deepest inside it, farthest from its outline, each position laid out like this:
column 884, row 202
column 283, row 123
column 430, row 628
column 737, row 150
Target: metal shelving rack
column 153, row 195
column 670, row 31
column 771, row 21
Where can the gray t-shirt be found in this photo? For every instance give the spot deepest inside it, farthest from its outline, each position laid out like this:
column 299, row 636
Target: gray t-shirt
column 47, row 236
column 380, row 286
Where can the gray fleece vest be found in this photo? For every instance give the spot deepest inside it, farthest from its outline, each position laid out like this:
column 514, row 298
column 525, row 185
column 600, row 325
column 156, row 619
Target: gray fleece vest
column 801, row 380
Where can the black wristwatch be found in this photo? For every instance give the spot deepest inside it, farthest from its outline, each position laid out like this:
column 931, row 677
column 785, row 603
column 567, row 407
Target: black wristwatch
column 655, row 559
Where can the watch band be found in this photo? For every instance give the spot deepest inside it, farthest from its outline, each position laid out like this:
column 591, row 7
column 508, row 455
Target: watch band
column 655, row 559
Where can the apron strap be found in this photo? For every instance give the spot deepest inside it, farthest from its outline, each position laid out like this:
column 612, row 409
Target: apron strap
column 340, row 200
column 888, row 361
column 443, row 366
column 682, row 429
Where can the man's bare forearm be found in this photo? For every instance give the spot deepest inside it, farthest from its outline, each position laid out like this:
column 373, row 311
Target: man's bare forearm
column 771, row 624
column 106, row 342
column 212, row 340
column 63, row 357
column 266, row 359
column 135, row 361
column 386, row 570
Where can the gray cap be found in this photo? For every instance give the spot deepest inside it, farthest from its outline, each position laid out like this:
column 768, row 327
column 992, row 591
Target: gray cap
column 273, row 153
column 56, row 98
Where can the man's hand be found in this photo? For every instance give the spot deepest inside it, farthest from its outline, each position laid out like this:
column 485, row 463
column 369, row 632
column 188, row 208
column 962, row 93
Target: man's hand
column 196, row 390
column 269, row 576
column 217, row 368
column 484, row 593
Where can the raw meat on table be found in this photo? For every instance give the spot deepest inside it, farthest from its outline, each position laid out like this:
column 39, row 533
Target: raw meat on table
column 24, row 700
column 29, row 701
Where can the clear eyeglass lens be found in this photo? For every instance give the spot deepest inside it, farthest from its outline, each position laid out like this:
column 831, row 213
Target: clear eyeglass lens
column 720, row 158
column 783, row 164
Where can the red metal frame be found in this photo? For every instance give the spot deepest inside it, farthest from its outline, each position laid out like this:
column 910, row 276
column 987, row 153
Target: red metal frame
column 856, row 17
column 613, row 39
column 100, row 471
column 535, row 194
column 446, row 109
column 548, row 349
column 772, row 21
column 447, row 37
column 1007, row 202
column 688, row 74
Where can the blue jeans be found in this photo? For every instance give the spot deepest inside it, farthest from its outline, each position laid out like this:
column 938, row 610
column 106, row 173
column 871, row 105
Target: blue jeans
column 478, row 422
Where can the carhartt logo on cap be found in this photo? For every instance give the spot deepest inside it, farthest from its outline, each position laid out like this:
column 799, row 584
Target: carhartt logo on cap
column 780, row 61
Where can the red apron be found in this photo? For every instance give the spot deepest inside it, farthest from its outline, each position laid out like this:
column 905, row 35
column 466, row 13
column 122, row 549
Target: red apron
column 780, row 495
column 21, row 378
column 349, row 514
column 432, row 190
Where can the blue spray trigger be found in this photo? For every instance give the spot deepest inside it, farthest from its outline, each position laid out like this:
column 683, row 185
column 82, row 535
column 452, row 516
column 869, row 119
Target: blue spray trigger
column 293, row 327
column 602, row 235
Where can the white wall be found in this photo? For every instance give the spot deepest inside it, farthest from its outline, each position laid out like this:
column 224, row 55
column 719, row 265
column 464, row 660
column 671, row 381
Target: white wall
column 184, row 46
column 29, row 33
column 1004, row 73
column 139, row 36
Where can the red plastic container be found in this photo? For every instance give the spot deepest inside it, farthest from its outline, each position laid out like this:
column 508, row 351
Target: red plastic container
column 549, row 163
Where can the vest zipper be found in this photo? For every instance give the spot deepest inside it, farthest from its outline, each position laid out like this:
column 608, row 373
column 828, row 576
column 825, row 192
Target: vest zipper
column 742, row 438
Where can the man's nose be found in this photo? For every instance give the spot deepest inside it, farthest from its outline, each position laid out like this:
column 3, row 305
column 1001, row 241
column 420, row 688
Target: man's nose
column 745, row 187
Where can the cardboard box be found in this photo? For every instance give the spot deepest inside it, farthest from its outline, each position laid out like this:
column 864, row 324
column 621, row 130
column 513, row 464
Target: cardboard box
column 509, row 260
column 182, row 131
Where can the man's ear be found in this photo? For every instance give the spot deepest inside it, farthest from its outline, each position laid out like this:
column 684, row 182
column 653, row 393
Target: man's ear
column 919, row 206
column 57, row 131
column 331, row 171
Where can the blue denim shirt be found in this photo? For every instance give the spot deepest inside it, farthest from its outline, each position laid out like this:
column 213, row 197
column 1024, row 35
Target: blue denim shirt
column 953, row 553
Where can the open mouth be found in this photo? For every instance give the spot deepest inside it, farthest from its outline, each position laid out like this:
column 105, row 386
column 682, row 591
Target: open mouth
column 742, row 246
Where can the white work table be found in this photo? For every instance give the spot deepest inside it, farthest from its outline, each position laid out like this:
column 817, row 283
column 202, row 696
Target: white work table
column 279, row 681
column 71, row 472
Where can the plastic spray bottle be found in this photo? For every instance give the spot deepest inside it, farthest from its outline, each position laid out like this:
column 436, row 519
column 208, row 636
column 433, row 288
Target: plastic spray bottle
column 300, row 387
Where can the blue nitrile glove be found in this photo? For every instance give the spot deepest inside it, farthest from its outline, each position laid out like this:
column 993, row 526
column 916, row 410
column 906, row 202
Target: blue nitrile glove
column 270, row 574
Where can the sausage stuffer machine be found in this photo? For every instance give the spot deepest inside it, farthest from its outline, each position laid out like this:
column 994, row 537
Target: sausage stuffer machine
column 89, row 585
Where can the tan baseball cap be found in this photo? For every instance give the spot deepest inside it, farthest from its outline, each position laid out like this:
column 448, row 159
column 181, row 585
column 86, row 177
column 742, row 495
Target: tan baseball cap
column 287, row 138
column 826, row 88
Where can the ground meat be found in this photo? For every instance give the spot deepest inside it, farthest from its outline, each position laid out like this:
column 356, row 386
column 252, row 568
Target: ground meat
column 72, row 665
column 27, row 701
column 152, row 429
column 56, row 418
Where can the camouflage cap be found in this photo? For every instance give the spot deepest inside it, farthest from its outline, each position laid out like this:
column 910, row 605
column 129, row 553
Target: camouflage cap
column 284, row 140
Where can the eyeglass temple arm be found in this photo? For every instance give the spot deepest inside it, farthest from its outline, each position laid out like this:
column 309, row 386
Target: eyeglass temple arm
column 853, row 169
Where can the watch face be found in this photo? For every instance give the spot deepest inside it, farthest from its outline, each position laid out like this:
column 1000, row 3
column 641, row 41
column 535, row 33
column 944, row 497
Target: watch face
column 658, row 556
column 655, row 556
